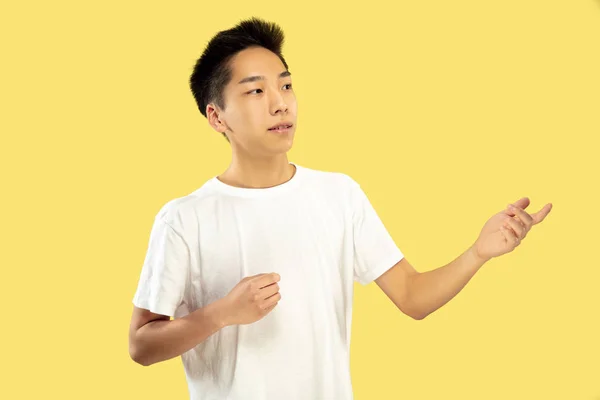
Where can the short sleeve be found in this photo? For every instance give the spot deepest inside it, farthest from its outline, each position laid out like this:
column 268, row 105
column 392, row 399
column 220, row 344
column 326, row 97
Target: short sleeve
column 374, row 249
column 164, row 276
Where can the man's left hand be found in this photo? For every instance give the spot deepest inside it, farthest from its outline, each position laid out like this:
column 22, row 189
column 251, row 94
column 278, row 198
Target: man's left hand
column 504, row 231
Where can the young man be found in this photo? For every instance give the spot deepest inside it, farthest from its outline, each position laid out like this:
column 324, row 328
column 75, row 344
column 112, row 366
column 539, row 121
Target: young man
column 257, row 265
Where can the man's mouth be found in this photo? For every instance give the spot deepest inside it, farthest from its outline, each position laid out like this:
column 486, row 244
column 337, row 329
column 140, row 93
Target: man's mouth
column 281, row 128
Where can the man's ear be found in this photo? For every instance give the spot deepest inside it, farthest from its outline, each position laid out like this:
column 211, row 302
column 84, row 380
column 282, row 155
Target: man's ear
column 213, row 115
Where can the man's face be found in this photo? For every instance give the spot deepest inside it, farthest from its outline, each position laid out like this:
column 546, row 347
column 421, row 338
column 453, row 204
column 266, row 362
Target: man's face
column 257, row 104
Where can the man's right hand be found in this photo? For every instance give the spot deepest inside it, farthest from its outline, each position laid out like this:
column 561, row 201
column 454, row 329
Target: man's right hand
column 252, row 299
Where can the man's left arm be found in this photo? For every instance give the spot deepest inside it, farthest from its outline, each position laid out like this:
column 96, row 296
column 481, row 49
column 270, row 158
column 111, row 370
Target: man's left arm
column 418, row 294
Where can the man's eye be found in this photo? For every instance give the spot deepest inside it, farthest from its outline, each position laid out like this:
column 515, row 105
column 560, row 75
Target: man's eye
column 288, row 84
column 253, row 91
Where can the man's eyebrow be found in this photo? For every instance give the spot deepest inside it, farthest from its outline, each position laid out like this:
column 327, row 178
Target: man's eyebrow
column 260, row 78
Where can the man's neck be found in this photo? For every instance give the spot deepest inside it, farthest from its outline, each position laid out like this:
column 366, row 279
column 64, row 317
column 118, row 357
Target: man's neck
column 258, row 174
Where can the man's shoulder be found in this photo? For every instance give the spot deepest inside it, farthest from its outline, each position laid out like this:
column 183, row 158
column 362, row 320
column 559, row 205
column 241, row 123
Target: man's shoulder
column 178, row 209
column 333, row 179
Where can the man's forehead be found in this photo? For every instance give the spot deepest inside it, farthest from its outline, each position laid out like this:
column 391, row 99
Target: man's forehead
column 254, row 78
column 257, row 63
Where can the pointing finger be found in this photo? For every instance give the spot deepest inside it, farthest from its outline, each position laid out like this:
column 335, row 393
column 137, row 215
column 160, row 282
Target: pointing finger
column 540, row 215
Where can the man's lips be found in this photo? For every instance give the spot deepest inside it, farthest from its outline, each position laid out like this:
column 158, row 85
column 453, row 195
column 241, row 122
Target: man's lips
column 281, row 126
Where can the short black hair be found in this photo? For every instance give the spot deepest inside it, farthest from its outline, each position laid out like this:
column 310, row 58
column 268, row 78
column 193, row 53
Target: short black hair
column 212, row 71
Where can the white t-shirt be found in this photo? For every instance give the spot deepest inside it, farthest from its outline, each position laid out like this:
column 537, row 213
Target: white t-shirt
column 318, row 231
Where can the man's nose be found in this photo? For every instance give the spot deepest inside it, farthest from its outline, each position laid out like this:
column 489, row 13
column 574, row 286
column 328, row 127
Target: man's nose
column 279, row 104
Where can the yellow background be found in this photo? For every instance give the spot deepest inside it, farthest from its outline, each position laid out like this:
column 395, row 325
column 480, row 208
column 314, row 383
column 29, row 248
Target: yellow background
column 444, row 112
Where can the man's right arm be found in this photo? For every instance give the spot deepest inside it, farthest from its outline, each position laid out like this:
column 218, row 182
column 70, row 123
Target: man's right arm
column 154, row 337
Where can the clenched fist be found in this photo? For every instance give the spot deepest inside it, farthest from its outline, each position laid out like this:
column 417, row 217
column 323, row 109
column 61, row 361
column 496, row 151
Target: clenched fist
column 252, row 298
